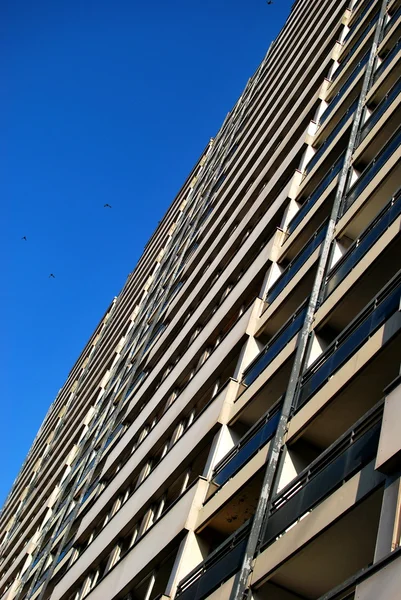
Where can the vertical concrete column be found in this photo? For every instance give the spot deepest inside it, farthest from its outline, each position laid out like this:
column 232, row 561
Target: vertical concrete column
column 222, row 443
column 250, row 350
column 389, row 524
column 191, row 552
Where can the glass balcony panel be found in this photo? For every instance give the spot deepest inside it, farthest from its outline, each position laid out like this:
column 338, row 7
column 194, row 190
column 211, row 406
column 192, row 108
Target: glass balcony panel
column 322, row 149
column 358, row 20
column 391, row 22
column 340, row 462
column 371, row 170
column 341, row 92
column 315, row 195
column 274, row 347
column 254, row 439
column 350, row 340
column 387, row 60
column 219, row 566
column 361, row 246
column 380, row 110
column 297, row 263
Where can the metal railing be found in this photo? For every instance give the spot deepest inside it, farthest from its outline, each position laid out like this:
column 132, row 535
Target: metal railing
column 275, row 345
column 294, row 266
column 341, row 92
column 254, row 439
column 362, row 244
column 387, row 60
column 315, row 195
column 385, row 304
column 371, row 170
column 348, row 455
column 326, row 143
column 380, row 110
column 355, row 23
column 219, row 566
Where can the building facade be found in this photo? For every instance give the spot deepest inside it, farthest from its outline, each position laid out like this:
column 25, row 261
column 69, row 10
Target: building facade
column 232, row 429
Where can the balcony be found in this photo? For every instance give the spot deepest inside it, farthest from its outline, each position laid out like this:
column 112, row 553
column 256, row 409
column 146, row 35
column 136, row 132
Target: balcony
column 315, row 195
column 249, row 444
column 296, row 264
column 355, row 23
column 371, row 170
column 344, row 88
column 394, row 18
column 219, row 566
column 362, row 35
column 380, row 110
column 275, row 345
column 378, row 311
column 387, row 60
column 363, row 244
column 348, row 455
column 330, row 138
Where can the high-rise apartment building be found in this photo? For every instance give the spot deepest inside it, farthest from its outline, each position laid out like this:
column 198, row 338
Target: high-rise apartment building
column 232, row 429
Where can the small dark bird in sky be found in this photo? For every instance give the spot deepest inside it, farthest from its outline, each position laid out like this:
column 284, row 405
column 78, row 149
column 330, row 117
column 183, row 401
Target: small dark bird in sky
column 23, row 238
column 51, row 275
column 107, row 206
column 269, row 2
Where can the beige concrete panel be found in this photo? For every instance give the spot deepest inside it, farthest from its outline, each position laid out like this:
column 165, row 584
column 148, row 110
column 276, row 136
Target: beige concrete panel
column 172, row 461
column 390, row 434
column 389, row 519
column 357, row 30
column 178, row 518
column 359, row 269
column 382, row 585
column 298, row 276
column 223, row 495
column 269, row 371
column 305, row 530
column 342, row 376
column 373, row 132
column 290, row 239
column 367, row 192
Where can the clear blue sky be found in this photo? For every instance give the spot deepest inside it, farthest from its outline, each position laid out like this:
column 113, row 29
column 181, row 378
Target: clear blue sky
column 101, row 101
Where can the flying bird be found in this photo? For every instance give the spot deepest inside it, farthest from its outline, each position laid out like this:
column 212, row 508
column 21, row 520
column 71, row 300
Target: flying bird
column 51, row 275
column 107, row 206
column 269, row 2
column 24, row 238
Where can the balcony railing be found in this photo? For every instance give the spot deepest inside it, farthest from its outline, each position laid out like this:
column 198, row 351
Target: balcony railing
column 392, row 21
column 372, row 169
column 378, row 311
column 248, row 445
column 65, row 551
column 358, row 20
column 387, row 60
column 326, row 143
column 89, row 491
column 315, row 195
column 276, row 344
column 341, row 92
column 380, row 110
column 362, row 35
column 113, row 435
column 361, row 245
column 295, row 265
column 219, row 566
column 347, row 456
